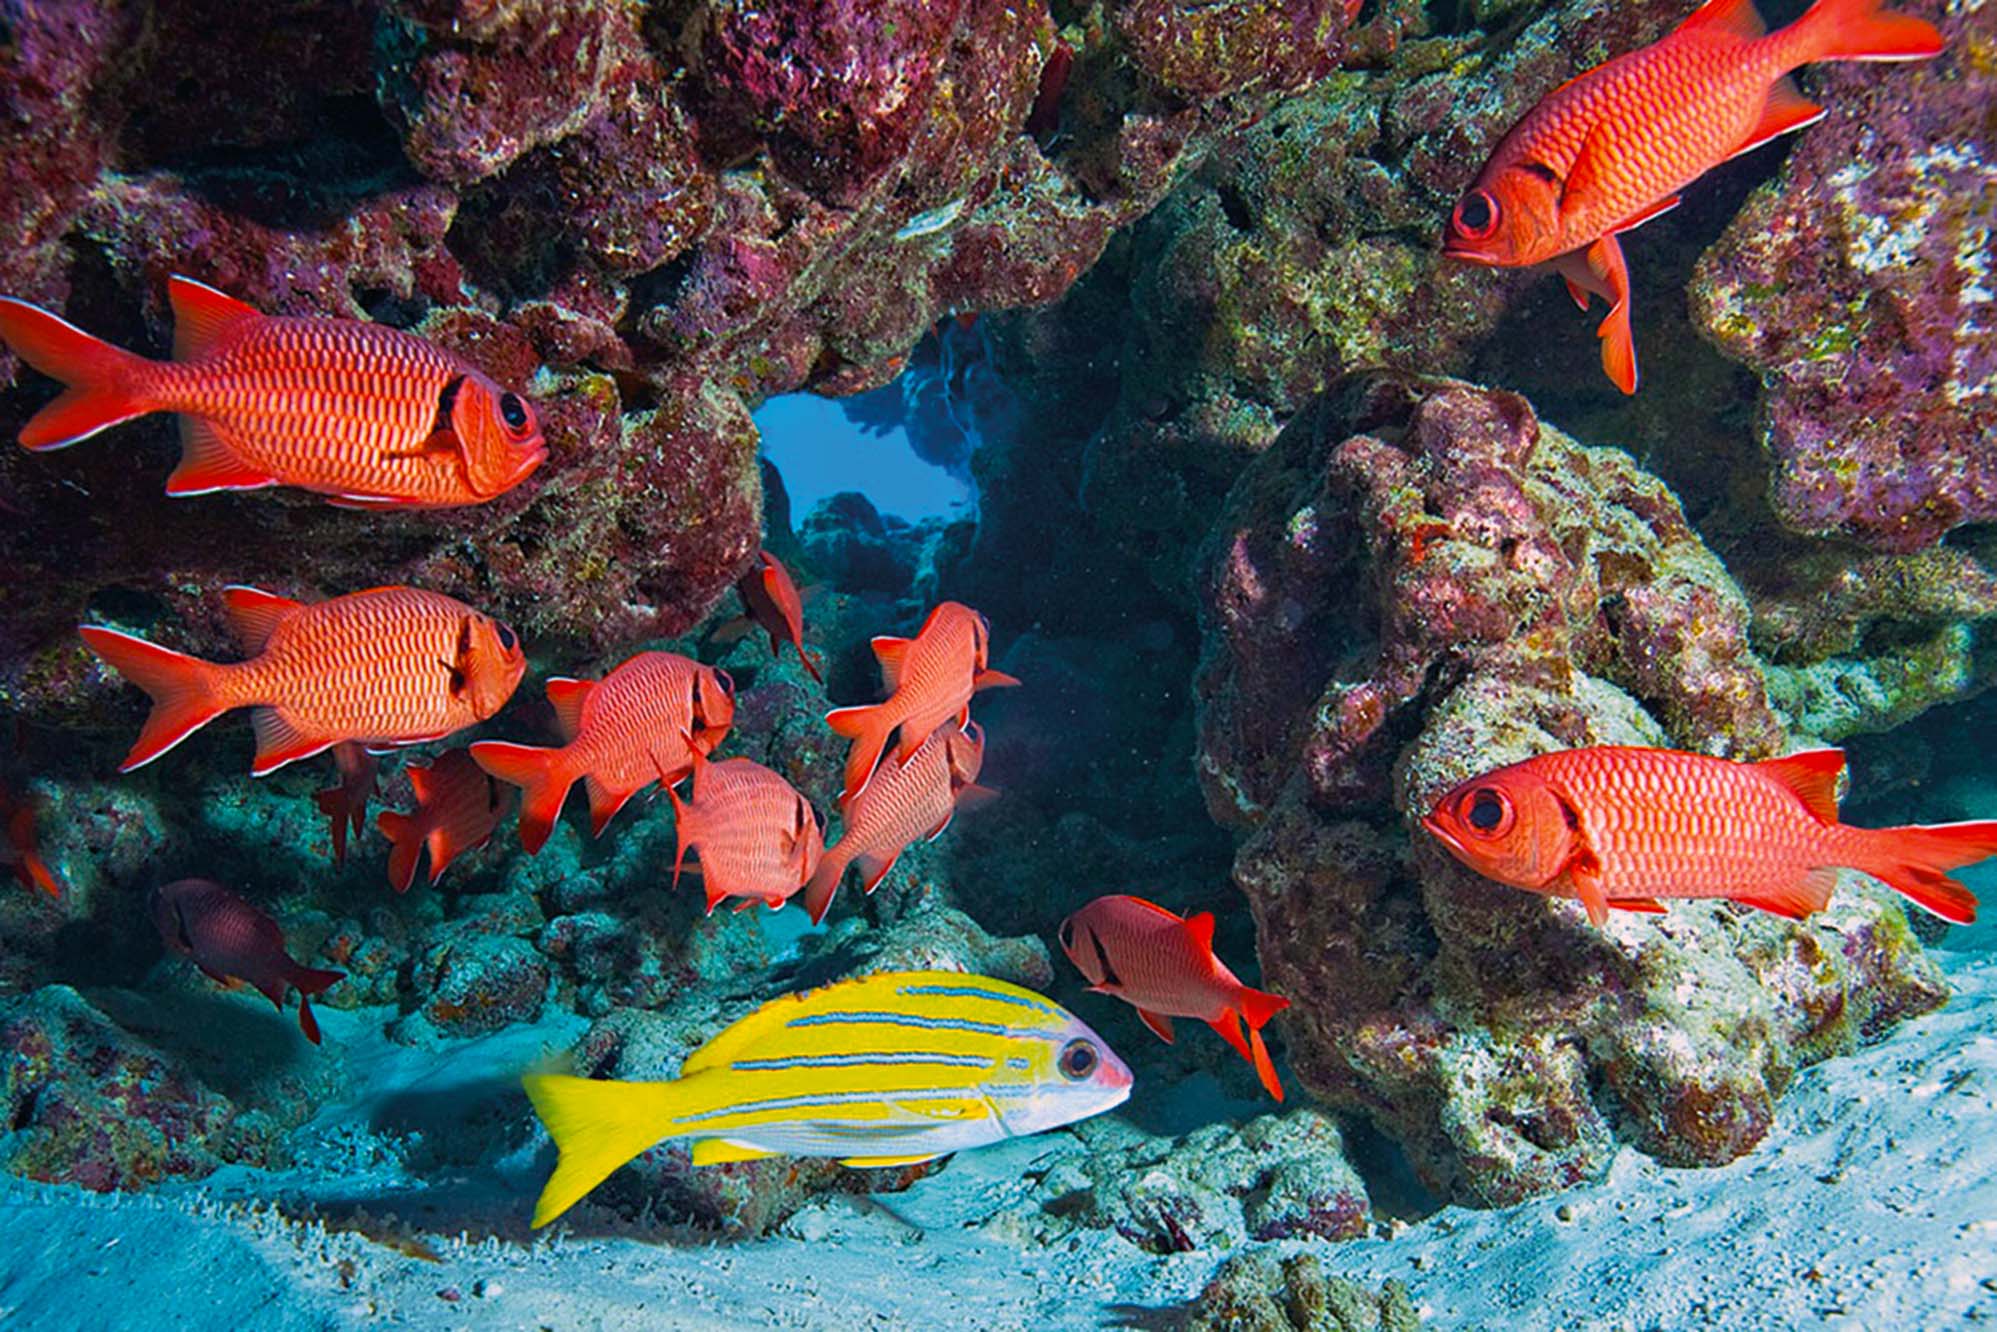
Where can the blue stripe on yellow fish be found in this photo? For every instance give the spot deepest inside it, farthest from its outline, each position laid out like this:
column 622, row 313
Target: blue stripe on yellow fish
column 881, row 1070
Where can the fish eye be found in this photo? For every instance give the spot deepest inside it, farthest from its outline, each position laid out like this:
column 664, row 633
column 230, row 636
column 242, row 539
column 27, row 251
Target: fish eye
column 1477, row 214
column 726, row 681
column 1078, row 1059
column 507, row 638
column 513, row 411
column 1488, row 808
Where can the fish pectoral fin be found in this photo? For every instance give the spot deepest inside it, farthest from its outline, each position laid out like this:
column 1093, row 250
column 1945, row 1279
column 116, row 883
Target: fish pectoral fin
column 875, row 1162
column 1806, row 896
column 722, row 1151
column 1584, row 875
column 437, row 441
column 210, row 461
column 1648, row 905
column 1158, row 1023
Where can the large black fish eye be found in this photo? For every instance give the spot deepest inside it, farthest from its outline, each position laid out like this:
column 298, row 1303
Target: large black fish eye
column 506, row 638
column 1477, row 214
column 513, row 411
column 1487, row 810
column 1078, row 1059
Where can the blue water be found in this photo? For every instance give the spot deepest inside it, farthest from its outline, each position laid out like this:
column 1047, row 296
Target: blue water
column 820, row 452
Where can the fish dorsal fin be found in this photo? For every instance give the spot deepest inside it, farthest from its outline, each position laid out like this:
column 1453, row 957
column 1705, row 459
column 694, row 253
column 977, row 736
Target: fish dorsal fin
column 1813, row 776
column 255, row 614
column 1738, row 17
column 1200, row 930
column 892, row 652
column 567, row 697
column 202, row 317
column 1156, row 909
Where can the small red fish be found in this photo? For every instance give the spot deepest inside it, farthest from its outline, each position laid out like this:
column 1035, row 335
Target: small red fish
column 367, row 415
column 930, row 680
column 20, row 849
column 232, row 941
column 1610, row 149
column 1164, row 966
column 772, row 601
column 457, row 807
column 906, row 800
column 757, row 838
column 621, row 734
column 389, row 666
column 1620, row 826
column 347, row 803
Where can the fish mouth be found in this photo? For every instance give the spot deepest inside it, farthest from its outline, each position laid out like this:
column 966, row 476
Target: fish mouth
column 1441, row 834
column 1464, row 253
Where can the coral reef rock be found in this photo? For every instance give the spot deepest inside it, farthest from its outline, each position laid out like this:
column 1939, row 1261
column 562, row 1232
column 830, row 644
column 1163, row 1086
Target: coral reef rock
column 1254, row 1292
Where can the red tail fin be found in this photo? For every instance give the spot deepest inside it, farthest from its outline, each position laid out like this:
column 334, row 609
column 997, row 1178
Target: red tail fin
column 1863, row 30
column 405, row 843
column 101, row 379
column 544, row 782
column 309, row 983
column 1911, row 861
column 868, row 730
column 183, row 689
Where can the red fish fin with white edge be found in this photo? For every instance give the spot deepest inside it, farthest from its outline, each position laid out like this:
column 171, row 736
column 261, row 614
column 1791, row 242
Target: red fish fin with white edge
column 1860, row 30
column 210, row 461
column 1605, row 258
column 1786, row 110
column 1738, row 17
column 101, row 381
column 279, row 741
column 1199, row 928
column 405, row 841
column 1265, row 1067
column 942, row 827
column 1813, row 776
column 1158, row 1022
column 1807, row 896
column 874, row 867
column 1649, row 906
column 975, row 797
column 824, row 884
column 1576, row 292
column 567, row 697
column 203, row 317
column 1584, row 874
column 255, row 614
column 868, row 729
column 1643, row 215
column 892, row 653
column 543, row 777
column 1912, row 860
column 1258, row 1006
column 993, row 680
column 604, row 803
column 183, row 689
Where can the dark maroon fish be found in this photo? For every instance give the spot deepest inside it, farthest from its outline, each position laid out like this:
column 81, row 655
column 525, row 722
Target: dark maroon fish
column 771, row 598
column 231, row 941
column 347, row 803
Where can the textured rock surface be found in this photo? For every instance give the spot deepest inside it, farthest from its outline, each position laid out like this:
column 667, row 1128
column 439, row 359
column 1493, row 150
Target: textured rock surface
column 1254, row 1292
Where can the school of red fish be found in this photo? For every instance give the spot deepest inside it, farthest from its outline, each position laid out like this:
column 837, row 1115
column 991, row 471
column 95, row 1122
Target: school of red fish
column 370, row 417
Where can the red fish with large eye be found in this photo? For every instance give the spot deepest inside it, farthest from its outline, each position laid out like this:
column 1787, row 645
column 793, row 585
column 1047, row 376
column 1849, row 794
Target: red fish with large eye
column 20, row 850
column 758, row 840
column 1624, row 827
column 904, row 801
column 385, row 667
column 1610, row 149
column 457, row 807
column 232, row 941
column 620, row 734
column 1164, row 966
column 930, row 680
column 773, row 602
column 366, row 415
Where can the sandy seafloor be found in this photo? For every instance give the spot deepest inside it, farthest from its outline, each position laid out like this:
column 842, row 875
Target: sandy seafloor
column 1873, row 1204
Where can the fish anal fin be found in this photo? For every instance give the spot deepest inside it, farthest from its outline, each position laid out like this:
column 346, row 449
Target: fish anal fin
column 255, row 614
column 1158, row 1022
column 208, row 462
column 1736, row 17
column 203, row 317
column 1808, row 895
column 1576, row 292
column 874, row 867
column 1229, row 1027
column 603, row 803
column 1813, row 778
column 1786, row 110
column 1648, row 905
column 279, row 742
column 567, row 697
column 725, row 1151
column 877, row 1162
column 1199, row 929
column 942, row 827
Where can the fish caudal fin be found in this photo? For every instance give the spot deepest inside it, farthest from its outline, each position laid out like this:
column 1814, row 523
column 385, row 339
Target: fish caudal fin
column 1912, row 862
column 183, row 688
column 1258, row 1006
column 310, row 981
column 405, row 843
column 867, row 728
column 1862, row 30
column 542, row 777
column 597, row 1127
column 101, row 380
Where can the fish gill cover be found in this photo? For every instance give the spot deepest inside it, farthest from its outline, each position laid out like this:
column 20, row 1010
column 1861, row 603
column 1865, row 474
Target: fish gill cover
column 1290, row 523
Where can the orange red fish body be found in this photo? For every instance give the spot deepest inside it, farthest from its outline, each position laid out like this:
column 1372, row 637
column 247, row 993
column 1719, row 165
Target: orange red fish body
column 758, row 839
column 773, row 602
column 366, row 415
column 1611, row 148
column 20, row 849
column 1164, row 966
column 388, row 666
column 1625, row 827
column 930, row 680
column 904, row 801
column 346, row 804
column 230, row 940
column 621, row 733
column 457, row 807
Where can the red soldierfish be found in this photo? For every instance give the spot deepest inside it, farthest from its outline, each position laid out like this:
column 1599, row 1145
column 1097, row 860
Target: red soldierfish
column 232, row 941
column 930, row 680
column 366, row 415
column 1612, row 148
column 620, row 735
column 758, row 839
column 20, row 850
column 457, row 807
column 389, row 666
column 1165, row 967
column 772, row 600
column 347, row 803
column 1619, row 826
column 904, row 801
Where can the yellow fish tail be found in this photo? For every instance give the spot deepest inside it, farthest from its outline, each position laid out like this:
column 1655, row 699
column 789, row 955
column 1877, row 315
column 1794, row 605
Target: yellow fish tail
column 597, row 1126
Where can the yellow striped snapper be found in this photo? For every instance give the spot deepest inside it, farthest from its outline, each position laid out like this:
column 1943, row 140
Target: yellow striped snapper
column 881, row 1070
